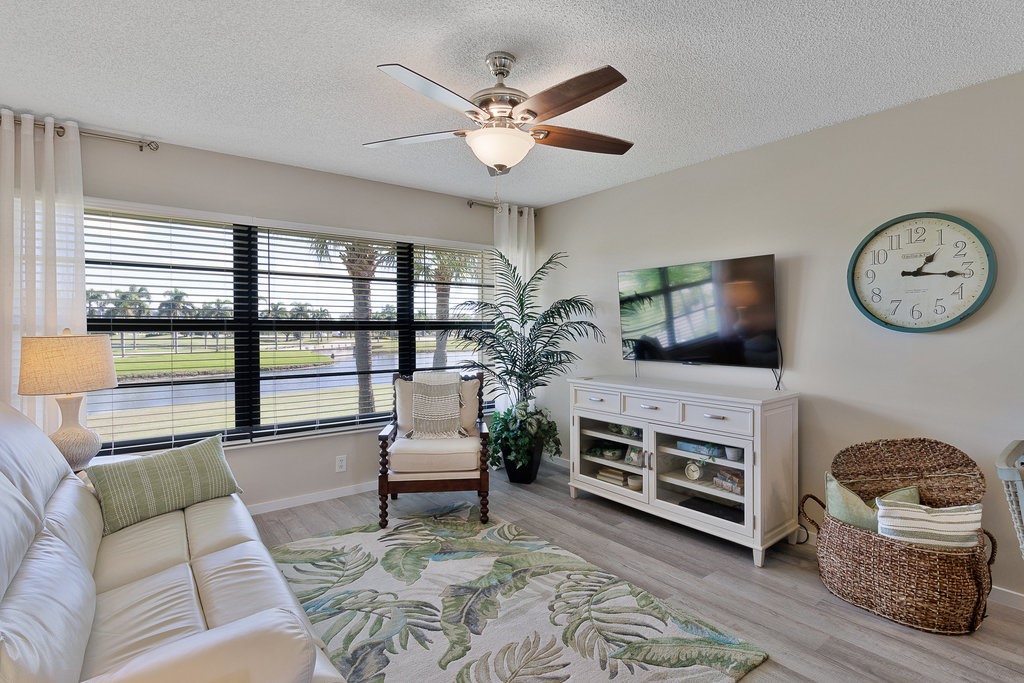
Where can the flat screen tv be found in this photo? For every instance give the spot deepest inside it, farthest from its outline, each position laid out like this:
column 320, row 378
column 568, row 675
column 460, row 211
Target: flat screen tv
column 715, row 312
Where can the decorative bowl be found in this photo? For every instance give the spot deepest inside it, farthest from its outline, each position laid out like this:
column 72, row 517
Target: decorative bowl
column 635, row 482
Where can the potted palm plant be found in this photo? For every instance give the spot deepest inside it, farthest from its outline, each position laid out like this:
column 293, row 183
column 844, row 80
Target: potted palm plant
column 521, row 352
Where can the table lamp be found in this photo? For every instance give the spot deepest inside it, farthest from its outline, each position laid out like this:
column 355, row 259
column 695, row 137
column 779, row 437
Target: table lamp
column 65, row 366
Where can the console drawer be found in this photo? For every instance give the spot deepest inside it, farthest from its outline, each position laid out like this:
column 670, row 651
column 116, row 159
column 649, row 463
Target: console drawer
column 732, row 420
column 663, row 409
column 604, row 401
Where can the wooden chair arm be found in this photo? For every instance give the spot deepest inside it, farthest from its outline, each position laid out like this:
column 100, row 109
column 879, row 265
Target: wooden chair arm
column 388, row 433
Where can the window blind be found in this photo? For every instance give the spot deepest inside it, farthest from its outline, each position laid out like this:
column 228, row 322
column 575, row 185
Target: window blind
column 252, row 331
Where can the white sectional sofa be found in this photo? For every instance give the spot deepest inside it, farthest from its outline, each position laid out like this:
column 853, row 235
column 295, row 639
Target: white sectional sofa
column 188, row 596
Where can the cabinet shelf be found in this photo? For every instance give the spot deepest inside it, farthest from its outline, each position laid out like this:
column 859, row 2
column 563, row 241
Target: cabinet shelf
column 677, row 478
column 609, row 436
column 617, row 464
column 718, row 461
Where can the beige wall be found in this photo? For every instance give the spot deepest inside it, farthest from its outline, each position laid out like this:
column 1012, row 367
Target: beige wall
column 810, row 200
column 204, row 181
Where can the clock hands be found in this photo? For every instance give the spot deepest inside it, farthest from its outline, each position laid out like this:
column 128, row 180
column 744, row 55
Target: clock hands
column 920, row 269
column 948, row 273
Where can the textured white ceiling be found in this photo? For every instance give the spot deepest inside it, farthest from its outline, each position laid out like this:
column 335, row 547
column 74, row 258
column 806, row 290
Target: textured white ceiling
column 295, row 82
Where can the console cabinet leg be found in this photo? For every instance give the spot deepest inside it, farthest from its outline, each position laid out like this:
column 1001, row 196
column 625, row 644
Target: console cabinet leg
column 572, row 492
column 758, row 557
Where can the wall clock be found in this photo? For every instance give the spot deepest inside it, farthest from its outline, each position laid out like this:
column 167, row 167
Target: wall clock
column 921, row 272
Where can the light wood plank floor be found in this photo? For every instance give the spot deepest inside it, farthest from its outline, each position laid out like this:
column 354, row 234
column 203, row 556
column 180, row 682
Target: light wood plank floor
column 810, row 634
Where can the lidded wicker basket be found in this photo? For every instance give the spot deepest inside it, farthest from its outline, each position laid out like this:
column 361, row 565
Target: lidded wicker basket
column 942, row 590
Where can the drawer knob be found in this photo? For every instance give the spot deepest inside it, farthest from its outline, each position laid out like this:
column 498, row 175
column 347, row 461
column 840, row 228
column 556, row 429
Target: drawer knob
column 595, row 399
column 648, row 407
column 709, row 416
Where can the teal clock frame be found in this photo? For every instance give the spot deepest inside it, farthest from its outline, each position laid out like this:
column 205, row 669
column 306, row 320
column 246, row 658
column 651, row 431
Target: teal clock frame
column 990, row 282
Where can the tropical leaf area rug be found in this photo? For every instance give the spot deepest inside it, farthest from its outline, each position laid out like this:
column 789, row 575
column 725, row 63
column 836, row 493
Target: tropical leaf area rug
column 442, row 597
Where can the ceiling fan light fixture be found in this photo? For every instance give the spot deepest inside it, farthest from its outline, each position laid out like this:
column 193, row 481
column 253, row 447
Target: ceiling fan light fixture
column 500, row 145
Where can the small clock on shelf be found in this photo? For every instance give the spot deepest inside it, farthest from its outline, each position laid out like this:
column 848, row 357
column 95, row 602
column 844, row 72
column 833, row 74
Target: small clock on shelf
column 693, row 470
column 921, row 272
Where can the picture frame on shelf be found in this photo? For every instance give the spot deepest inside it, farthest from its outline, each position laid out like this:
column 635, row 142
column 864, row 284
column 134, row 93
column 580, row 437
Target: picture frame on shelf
column 634, row 456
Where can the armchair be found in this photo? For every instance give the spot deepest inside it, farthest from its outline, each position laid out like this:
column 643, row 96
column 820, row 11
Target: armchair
column 420, row 465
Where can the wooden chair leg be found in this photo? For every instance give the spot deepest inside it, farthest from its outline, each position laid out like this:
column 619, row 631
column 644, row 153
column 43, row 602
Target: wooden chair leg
column 483, row 506
column 383, row 511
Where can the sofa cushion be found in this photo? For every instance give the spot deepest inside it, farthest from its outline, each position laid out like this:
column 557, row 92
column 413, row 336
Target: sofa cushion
column 434, row 455
column 46, row 615
column 29, row 459
column 216, row 524
column 134, row 490
column 73, row 515
column 140, row 616
column 271, row 645
column 140, row 550
column 19, row 524
column 241, row 580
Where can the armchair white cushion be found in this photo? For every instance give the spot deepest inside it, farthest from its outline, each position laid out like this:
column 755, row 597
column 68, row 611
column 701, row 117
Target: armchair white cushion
column 410, row 465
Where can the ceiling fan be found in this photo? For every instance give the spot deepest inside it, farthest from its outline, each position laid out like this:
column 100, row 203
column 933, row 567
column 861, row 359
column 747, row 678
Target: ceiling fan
column 507, row 119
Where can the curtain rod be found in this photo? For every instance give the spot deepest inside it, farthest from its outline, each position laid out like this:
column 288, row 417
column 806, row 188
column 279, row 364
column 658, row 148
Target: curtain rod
column 141, row 143
column 490, row 205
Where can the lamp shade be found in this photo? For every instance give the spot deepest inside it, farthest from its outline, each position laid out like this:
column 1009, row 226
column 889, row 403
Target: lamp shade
column 742, row 293
column 500, row 146
column 66, row 364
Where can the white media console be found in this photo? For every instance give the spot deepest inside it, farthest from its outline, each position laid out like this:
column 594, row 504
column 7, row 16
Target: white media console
column 719, row 459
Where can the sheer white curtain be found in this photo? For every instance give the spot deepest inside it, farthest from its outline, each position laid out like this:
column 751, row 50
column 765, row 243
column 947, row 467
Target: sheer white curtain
column 514, row 237
column 42, row 263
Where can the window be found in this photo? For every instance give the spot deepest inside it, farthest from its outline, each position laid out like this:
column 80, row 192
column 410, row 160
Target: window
column 253, row 331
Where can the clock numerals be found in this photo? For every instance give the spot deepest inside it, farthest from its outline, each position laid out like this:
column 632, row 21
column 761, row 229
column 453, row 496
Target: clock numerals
column 879, row 257
column 870, row 275
column 958, row 293
column 961, row 249
column 965, row 269
column 916, row 234
column 939, row 308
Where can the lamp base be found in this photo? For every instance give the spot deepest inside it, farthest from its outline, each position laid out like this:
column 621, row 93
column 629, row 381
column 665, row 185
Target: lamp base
column 77, row 443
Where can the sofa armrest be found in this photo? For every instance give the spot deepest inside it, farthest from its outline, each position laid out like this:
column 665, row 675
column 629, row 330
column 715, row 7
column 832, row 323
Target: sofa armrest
column 271, row 646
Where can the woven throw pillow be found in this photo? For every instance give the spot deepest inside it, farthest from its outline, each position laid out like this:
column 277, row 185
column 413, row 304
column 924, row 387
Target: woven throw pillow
column 137, row 489
column 436, row 406
column 846, row 506
column 953, row 527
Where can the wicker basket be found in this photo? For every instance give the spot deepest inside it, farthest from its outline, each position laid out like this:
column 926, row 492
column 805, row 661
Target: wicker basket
column 932, row 589
column 1010, row 467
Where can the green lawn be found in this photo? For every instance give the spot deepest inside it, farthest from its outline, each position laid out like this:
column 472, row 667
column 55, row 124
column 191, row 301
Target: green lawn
column 210, row 362
column 214, row 415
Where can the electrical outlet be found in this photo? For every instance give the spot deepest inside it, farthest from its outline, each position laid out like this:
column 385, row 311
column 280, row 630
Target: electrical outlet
column 341, row 463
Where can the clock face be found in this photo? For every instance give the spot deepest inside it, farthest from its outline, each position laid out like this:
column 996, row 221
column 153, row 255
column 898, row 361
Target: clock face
column 922, row 272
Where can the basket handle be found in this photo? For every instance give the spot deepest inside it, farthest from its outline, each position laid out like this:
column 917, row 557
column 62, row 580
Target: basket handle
column 803, row 513
column 992, row 541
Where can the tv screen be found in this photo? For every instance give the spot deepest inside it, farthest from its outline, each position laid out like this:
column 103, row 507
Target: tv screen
column 716, row 312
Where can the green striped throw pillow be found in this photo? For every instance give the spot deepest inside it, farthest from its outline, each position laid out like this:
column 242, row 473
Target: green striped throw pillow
column 137, row 489
column 953, row 527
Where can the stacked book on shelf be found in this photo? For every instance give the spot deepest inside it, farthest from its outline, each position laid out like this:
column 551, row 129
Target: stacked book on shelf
column 730, row 480
column 613, row 476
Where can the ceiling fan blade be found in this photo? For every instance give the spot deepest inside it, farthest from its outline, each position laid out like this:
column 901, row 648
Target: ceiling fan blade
column 434, row 91
column 413, row 139
column 568, row 95
column 584, row 141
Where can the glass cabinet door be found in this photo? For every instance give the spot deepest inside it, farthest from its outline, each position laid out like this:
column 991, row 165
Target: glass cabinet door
column 612, row 455
column 707, row 478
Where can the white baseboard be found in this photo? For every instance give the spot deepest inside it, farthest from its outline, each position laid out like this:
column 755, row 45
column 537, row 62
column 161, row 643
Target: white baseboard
column 1002, row 596
column 315, row 497
column 1007, row 597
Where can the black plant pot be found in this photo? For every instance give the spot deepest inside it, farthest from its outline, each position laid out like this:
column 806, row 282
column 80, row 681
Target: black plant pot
column 523, row 474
